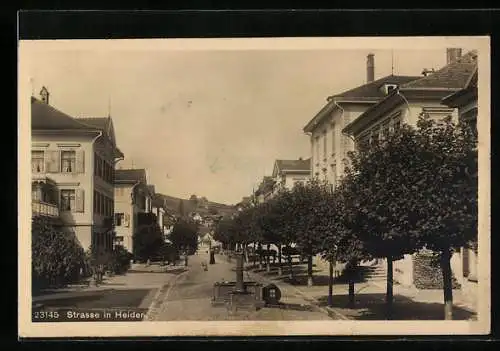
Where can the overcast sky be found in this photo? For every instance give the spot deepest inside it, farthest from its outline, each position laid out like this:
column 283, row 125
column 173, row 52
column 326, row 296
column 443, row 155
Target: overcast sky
column 209, row 122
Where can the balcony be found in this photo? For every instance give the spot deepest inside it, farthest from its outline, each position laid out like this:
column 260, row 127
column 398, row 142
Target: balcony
column 39, row 208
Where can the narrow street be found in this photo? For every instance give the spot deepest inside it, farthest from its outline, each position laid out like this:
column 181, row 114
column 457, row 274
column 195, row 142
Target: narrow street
column 189, row 297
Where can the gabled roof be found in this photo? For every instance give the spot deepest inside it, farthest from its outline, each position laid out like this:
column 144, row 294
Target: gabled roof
column 453, row 76
column 130, row 176
column 104, row 124
column 46, row 117
column 461, row 97
column 367, row 93
column 435, row 87
column 293, row 166
column 101, row 123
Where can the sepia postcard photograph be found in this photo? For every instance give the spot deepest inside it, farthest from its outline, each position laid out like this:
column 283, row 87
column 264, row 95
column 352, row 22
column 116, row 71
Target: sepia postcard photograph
column 254, row 187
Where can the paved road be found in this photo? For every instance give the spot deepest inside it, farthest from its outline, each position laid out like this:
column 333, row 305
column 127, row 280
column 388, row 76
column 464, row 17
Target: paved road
column 188, row 297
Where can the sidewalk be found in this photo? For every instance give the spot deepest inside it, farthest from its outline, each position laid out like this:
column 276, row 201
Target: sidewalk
column 152, row 277
column 409, row 304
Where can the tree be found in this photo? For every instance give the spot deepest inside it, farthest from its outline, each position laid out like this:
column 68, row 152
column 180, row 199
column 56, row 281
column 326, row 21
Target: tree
column 304, row 218
column 184, row 235
column 340, row 243
column 147, row 241
column 412, row 190
column 382, row 180
column 57, row 256
column 446, row 195
column 274, row 223
column 213, row 211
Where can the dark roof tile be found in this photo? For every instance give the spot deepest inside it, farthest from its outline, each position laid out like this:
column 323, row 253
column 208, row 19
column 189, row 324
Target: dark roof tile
column 294, row 165
column 452, row 76
column 130, row 175
column 372, row 90
column 46, row 117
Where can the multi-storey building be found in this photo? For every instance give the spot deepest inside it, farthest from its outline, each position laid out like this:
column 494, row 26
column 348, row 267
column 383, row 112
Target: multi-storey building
column 72, row 163
column 133, row 203
column 329, row 146
column 465, row 100
column 453, row 82
column 287, row 173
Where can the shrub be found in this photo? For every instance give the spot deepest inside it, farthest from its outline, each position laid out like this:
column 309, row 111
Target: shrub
column 57, row 256
column 120, row 260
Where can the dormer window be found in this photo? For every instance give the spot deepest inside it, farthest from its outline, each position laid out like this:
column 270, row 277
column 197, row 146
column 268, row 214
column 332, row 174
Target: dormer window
column 389, row 88
column 44, row 94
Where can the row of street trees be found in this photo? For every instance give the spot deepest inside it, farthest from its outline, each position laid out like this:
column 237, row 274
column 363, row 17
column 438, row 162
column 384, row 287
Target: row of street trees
column 416, row 189
column 150, row 244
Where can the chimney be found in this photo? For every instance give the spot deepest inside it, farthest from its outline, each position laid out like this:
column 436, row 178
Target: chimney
column 452, row 55
column 44, row 94
column 370, row 68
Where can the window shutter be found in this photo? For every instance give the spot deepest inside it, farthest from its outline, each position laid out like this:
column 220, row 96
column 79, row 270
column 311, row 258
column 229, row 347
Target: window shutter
column 46, row 161
column 80, row 161
column 80, row 200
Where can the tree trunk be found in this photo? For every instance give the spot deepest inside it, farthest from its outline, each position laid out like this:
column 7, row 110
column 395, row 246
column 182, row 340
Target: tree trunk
column 351, row 292
column 290, row 265
column 280, row 268
column 390, row 294
column 254, row 258
column 351, row 268
column 245, row 248
column 260, row 256
column 309, row 270
column 447, row 285
column 330, row 284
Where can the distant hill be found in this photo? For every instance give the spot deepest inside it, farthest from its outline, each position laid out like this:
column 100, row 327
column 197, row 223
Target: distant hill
column 201, row 205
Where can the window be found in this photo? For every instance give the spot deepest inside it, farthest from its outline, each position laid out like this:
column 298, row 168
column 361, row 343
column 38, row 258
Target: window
column 390, row 87
column 384, row 130
column 96, row 164
column 101, row 204
column 68, row 161
column 118, row 219
column 317, row 149
column 396, row 123
column 68, row 200
column 334, row 175
column 324, row 145
column 333, row 139
column 364, row 140
column 37, row 161
column 95, row 201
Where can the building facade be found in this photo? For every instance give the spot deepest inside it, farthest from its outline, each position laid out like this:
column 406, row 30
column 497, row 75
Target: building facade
column 133, row 199
column 465, row 100
column 404, row 105
column 329, row 145
column 72, row 172
column 287, row 173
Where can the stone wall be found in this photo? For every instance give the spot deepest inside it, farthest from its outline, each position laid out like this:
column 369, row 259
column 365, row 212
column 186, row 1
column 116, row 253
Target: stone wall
column 427, row 274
